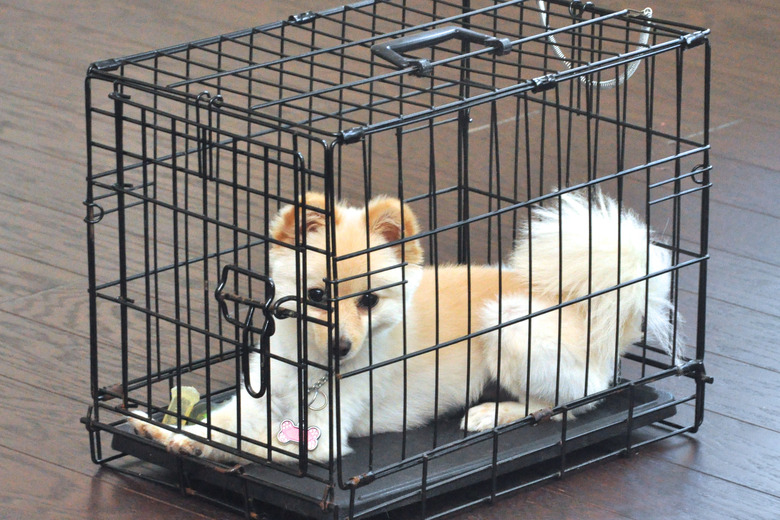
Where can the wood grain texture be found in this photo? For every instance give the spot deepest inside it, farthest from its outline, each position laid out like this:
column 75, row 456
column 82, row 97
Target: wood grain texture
column 728, row 470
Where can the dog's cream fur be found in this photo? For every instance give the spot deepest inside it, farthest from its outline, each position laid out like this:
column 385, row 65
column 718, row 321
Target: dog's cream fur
column 579, row 237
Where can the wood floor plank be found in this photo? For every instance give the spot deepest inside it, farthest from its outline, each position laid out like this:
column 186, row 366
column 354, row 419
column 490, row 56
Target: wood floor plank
column 758, row 151
column 751, row 242
column 48, row 182
column 756, row 385
column 746, row 186
column 646, row 488
column 39, row 421
column 20, row 276
column 744, row 282
column 44, row 355
column 744, row 334
column 552, row 501
column 56, row 492
column 61, row 237
column 33, row 124
column 729, row 449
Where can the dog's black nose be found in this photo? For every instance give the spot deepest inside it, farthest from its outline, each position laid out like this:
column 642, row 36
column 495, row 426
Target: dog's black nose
column 344, row 346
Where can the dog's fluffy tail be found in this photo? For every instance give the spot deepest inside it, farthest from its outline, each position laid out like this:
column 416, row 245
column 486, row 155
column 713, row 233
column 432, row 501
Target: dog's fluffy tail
column 585, row 246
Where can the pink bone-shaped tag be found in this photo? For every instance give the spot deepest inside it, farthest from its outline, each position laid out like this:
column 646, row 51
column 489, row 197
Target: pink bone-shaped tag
column 289, row 432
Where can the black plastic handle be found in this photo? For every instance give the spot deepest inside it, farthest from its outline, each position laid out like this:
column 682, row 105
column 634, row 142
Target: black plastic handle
column 392, row 50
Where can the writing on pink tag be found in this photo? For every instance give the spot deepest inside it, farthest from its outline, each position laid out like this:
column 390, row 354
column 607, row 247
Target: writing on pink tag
column 289, row 432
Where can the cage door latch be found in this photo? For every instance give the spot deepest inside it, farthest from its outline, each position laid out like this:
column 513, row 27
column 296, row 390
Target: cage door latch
column 251, row 304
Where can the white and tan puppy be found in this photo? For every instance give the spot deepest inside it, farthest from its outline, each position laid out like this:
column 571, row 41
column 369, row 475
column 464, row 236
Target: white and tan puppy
column 388, row 305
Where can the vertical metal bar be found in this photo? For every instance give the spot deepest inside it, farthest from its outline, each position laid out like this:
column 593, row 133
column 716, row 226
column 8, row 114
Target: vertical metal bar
column 649, row 120
column 677, row 202
column 400, row 160
column 236, row 328
column 494, row 468
column 620, row 137
column 704, row 241
column 598, row 53
column 155, row 154
column 121, row 232
column 266, row 263
column 564, row 440
column 705, row 209
column 205, row 255
column 589, row 324
column 424, row 487
column 176, row 265
column 334, row 389
column 96, row 447
column 558, row 138
column 494, row 144
column 516, row 168
column 342, row 69
column 147, row 264
column 559, row 312
column 463, row 148
column 630, row 419
column 491, row 152
column 91, row 268
column 434, row 261
column 299, row 187
column 352, row 491
column 404, row 310
column 618, row 278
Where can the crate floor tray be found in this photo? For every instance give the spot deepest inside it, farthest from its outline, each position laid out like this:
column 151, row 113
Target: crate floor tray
column 453, row 465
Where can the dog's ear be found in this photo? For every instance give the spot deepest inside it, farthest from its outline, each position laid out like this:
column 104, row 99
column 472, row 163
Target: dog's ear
column 391, row 220
column 311, row 220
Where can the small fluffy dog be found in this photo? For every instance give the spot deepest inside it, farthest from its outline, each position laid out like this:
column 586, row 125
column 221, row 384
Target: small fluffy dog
column 388, row 300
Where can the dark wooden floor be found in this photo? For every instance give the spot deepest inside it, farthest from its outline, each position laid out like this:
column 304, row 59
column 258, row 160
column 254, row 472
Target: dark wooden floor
column 730, row 469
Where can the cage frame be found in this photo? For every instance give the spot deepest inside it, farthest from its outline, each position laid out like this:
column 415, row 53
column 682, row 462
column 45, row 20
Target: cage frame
column 203, row 105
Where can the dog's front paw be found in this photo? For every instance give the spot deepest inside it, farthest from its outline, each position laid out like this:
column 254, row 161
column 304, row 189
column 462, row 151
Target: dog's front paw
column 138, row 421
column 145, row 428
column 483, row 416
column 183, row 445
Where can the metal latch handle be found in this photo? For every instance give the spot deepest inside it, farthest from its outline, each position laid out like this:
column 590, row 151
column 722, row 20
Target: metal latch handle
column 392, row 50
column 266, row 331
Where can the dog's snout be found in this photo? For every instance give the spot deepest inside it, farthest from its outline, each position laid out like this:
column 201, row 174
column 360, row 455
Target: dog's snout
column 345, row 345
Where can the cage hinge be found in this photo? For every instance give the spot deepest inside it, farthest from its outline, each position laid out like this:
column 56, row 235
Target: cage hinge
column 237, row 469
column 88, row 421
column 326, row 503
column 577, row 8
column 302, row 18
column 362, row 480
column 119, row 96
column 699, row 374
column 105, row 65
column 694, row 39
column 544, row 83
column 95, row 212
column 111, row 392
column 353, row 135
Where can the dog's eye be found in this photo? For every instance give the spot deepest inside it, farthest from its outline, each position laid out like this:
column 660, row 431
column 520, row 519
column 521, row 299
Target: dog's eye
column 316, row 295
column 368, row 300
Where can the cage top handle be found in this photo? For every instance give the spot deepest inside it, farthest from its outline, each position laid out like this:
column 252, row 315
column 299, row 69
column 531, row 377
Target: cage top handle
column 576, row 8
column 393, row 50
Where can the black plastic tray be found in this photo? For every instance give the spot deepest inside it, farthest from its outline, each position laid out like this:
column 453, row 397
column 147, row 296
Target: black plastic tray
column 468, row 463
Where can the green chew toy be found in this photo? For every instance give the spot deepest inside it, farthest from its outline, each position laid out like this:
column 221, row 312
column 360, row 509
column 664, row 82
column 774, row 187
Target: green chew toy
column 189, row 397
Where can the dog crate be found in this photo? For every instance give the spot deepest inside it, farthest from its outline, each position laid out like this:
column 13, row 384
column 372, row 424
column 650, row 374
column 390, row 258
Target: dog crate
column 473, row 113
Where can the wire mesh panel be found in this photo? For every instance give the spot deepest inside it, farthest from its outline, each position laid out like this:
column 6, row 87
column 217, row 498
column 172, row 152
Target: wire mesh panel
column 397, row 249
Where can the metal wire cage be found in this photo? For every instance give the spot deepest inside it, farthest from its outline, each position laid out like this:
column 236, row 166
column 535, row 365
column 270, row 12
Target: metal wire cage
column 471, row 113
